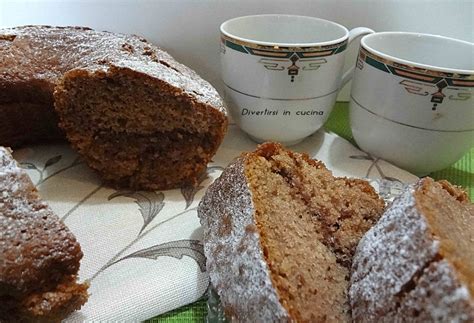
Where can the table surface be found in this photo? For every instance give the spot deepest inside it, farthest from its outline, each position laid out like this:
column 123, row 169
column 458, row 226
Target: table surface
column 461, row 173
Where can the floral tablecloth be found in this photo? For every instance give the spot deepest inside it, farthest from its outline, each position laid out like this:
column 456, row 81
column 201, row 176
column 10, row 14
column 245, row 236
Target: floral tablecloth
column 142, row 250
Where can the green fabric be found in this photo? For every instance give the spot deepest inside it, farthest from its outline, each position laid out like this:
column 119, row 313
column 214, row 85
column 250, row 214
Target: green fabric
column 195, row 312
column 461, row 173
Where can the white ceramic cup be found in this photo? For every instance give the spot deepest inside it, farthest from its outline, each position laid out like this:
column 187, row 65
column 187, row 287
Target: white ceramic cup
column 282, row 73
column 411, row 99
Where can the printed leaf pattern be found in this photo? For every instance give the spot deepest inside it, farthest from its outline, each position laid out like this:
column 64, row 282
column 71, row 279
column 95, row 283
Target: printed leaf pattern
column 114, row 260
column 150, row 203
column 176, row 249
column 392, row 179
column 388, row 187
column 52, row 161
column 77, row 161
column 28, row 166
column 361, row 157
column 189, row 191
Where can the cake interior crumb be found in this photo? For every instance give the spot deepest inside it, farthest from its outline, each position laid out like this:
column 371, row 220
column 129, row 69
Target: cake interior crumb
column 309, row 224
column 450, row 216
column 137, row 132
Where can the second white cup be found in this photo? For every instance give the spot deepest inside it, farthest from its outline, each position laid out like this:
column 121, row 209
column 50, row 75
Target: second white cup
column 282, row 73
column 412, row 99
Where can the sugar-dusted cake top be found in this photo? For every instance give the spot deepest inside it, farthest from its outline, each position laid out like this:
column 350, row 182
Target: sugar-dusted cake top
column 42, row 54
column 37, row 249
column 415, row 262
column 233, row 242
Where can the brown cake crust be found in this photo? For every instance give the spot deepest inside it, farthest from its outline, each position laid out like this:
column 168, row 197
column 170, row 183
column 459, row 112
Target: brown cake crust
column 40, row 256
column 235, row 261
column 407, row 268
column 246, row 251
column 29, row 70
column 164, row 98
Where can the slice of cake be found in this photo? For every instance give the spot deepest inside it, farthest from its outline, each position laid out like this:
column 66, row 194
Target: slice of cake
column 139, row 124
column 279, row 235
column 137, row 116
column 417, row 263
column 39, row 256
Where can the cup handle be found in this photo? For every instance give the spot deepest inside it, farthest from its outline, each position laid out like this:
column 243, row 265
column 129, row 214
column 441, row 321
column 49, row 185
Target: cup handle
column 353, row 34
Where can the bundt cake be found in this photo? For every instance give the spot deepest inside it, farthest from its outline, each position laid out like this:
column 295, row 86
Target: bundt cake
column 417, row 263
column 138, row 117
column 39, row 256
column 279, row 235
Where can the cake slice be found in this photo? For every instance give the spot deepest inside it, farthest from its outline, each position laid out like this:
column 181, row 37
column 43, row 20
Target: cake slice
column 39, row 255
column 279, row 235
column 141, row 124
column 417, row 263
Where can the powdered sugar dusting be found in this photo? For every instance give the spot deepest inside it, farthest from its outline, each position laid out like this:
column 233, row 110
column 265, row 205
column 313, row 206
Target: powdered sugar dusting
column 46, row 53
column 394, row 268
column 448, row 300
column 235, row 261
column 14, row 182
column 34, row 244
